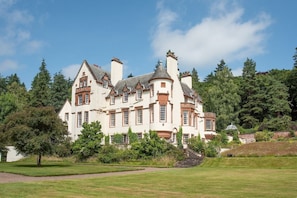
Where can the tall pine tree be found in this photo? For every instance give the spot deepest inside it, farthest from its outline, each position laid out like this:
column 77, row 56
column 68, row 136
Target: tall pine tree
column 40, row 88
column 223, row 97
column 59, row 91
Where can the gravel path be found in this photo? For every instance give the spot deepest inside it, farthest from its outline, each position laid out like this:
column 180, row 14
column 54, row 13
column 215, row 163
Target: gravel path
column 10, row 178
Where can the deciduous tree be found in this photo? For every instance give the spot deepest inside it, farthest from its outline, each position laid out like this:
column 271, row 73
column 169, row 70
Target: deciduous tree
column 35, row 131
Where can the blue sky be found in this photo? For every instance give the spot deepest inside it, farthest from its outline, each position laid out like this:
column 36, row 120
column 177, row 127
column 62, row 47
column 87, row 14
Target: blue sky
column 139, row 33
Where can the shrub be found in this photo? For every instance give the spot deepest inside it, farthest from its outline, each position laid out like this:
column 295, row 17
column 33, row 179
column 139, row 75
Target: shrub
column 109, row 154
column 263, row 136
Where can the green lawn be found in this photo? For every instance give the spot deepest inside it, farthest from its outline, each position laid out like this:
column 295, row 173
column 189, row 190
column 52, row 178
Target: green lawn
column 219, row 177
column 54, row 168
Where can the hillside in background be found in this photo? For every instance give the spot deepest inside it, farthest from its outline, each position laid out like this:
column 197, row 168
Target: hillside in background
column 260, row 149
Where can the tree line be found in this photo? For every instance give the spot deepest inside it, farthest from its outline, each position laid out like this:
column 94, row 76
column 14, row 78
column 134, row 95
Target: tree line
column 254, row 101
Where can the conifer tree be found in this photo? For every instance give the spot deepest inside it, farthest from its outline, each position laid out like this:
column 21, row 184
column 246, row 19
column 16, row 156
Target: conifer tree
column 40, row 88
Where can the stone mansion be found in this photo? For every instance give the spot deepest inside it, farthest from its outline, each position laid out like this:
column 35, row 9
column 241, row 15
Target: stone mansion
column 161, row 101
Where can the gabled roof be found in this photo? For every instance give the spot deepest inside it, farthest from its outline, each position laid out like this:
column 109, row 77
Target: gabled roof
column 132, row 82
column 97, row 72
column 189, row 92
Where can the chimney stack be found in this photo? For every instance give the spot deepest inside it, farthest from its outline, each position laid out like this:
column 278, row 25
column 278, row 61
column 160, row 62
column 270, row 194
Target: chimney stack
column 116, row 73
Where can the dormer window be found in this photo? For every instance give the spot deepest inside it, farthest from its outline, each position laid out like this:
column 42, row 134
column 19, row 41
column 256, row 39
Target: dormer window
column 125, row 96
column 138, row 94
column 112, row 100
column 105, row 83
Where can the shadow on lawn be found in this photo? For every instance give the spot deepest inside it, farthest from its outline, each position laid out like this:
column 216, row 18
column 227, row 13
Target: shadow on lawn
column 42, row 165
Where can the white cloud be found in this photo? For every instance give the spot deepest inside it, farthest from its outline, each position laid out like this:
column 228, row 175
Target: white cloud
column 15, row 33
column 70, row 71
column 237, row 71
column 222, row 35
column 8, row 65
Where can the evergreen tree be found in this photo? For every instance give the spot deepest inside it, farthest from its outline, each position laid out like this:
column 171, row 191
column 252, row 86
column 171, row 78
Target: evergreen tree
column 2, row 84
column 292, row 84
column 59, row 91
column 40, row 88
column 223, row 97
column 247, row 91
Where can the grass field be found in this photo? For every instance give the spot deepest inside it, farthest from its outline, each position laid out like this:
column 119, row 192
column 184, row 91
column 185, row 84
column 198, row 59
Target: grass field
column 217, row 177
column 59, row 167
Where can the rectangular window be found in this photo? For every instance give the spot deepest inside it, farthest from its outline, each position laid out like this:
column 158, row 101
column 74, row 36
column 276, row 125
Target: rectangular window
column 87, row 99
column 85, row 83
column 152, row 113
column 139, row 136
column 139, row 116
column 105, row 84
column 125, row 97
column 125, row 117
column 112, row 119
column 185, row 117
column 163, row 84
column 66, row 117
column 138, row 94
column 79, row 119
column 152, row 90
column 80, row 100
column 86, row 117
column 125, row 139
column 185, row 138
column 112, row 100
column 162, row 113
column 208, row 125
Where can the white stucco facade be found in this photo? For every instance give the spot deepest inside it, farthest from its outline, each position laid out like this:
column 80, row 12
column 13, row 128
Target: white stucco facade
column 157, row 101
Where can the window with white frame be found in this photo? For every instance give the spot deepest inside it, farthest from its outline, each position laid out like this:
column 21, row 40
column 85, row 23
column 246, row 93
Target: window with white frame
column 139, row 116
column 105, row 83
column 86, row 117
column 79, row 119
column 152, row 113
column 152, row 90
column 208, row 125
column 87, row 98
column 185, row 117
column 162, row 113
column 185, row 138
column 125, row 96
column 138, row 94
column 112, row 119
column 85, row 83
column 112, row 100
column 80, row 100
column 125, row 117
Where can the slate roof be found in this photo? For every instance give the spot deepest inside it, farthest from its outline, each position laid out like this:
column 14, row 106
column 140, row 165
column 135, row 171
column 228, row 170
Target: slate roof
column 190, row 92
column 160, row 72
column 132, row 82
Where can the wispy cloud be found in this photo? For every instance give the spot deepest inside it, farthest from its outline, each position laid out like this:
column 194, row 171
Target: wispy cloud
column 224, row 34
column 8, row 65
column 70, row 71
column 15, row 31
